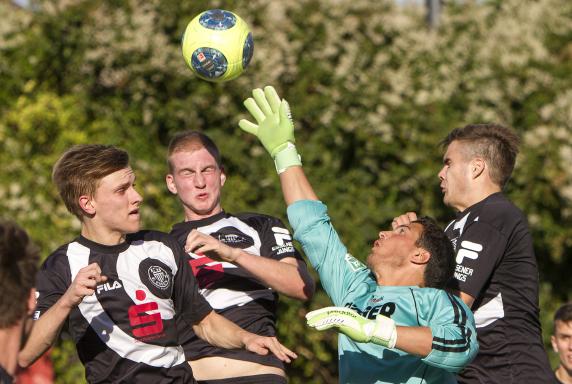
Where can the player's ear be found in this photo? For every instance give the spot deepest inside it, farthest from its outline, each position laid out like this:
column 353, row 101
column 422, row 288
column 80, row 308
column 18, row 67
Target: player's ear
column 171, row 184
column 478, row 166
column 420, row 256
column 86, row 204
column 222, row 176
column 554, row 345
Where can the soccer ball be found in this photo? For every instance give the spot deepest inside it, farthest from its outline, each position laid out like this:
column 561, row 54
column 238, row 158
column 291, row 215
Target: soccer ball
column 217, row 45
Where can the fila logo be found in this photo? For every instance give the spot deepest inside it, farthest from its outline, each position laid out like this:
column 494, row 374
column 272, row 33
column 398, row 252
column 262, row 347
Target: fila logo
column 109, row 286
column 469, row 250
column 281, row 234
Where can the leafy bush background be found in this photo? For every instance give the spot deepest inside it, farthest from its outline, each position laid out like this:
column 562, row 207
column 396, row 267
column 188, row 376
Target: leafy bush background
column 372, row 89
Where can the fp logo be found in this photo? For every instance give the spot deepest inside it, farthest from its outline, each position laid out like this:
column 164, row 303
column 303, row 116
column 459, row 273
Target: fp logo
column 469, row 250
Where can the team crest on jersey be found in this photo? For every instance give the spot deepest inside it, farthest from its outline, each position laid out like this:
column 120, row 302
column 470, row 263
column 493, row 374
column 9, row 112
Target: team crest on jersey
column 157, row 277
column 354, row 263
column 233, row 237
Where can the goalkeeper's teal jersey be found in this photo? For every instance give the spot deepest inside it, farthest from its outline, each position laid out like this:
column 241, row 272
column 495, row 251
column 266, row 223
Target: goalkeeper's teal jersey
column 351, row 284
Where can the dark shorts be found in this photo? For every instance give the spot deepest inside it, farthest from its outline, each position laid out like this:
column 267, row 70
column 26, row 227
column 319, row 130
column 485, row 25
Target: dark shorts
column 256, row 379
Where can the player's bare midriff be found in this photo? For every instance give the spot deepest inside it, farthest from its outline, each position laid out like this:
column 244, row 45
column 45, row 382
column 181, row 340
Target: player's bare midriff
column 216, row 367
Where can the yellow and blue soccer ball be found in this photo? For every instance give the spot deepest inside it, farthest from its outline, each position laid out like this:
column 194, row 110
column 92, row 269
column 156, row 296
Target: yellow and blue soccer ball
column 217, row 45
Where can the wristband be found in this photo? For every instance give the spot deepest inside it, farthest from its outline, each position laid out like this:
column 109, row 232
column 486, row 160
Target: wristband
column 286, row 157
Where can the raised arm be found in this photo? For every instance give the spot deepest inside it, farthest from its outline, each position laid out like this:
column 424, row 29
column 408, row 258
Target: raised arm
column 288, row 275
column 275, row 130
column 47, row 328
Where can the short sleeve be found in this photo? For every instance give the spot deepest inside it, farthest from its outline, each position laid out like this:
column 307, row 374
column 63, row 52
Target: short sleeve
column 190, row 305
column 276, row 241
column 52, row 281
column 479, row 250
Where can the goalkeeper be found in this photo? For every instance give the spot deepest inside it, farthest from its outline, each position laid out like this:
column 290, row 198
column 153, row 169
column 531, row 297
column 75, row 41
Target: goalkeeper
column 397, row 324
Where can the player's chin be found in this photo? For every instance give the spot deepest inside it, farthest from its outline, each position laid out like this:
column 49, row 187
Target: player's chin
column 369, row 259
column 133, row 223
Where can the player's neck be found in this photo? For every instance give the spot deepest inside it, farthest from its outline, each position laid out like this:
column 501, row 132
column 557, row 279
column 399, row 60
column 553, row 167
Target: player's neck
column 100, row 235
column 563, row 375
column 478, row 193
column 397, row 277
column 193, row 216
column 10, row 341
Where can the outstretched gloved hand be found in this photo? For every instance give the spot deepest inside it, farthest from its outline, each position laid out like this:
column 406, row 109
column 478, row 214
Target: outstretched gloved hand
column 274, row 127
column 380, row 331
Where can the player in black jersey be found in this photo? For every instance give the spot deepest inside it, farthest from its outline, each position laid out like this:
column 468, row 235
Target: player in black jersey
column 240, row 262
column 18, row 265
column 496, row 273
column 122, row 290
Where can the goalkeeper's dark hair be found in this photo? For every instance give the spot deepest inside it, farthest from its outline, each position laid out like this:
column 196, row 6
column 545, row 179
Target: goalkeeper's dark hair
column 19, row 259
column 192, row 141
column 441, row 265
column 564, row 314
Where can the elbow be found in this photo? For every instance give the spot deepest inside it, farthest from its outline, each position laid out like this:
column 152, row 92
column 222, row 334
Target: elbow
column 306, row 290
column 24, row 361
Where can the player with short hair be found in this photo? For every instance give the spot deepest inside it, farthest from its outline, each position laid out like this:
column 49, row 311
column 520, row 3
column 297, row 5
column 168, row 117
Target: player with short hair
column 18, row 265
column 496, row 273
column 122, row 289
column 398, row 325
column 562, row 343
column 241, row 261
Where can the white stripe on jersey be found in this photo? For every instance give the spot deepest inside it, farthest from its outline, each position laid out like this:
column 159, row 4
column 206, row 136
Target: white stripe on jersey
column 123, row 344
column 221, row 298
column 128, row 272
column 242, row 226
column 490, row 312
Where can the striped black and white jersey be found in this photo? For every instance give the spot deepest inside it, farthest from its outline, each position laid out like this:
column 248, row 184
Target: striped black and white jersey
column 496, row 265
column 231, row 290
column 125, row 332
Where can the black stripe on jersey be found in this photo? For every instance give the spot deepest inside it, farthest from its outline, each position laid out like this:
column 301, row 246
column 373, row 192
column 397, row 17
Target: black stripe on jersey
column 461, row 320
column 415, row 302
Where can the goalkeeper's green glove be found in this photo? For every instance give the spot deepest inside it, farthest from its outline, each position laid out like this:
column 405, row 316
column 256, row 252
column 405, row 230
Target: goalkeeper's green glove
column 275, row 128
column 380, row 331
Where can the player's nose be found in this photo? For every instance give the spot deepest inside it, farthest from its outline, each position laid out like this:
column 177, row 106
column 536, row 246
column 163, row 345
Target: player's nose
column 384, row 235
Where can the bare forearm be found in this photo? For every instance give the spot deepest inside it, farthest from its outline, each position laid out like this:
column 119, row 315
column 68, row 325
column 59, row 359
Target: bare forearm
column 288, row 276
column 220, row 332
column 414, row 340
column 295, row 185
column 44, row 332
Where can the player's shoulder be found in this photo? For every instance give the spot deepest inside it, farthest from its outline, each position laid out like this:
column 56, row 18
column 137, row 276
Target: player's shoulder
column 148, row 235
column 58, row 258
column 256, row 219
column 498, row 211
column 436, row 297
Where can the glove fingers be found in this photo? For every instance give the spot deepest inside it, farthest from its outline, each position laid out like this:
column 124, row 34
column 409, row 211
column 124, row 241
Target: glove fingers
column 260, row 98
column 248, row 126
column 254, row 110
column 313, row 314
column 286, row 115
column 272, row 97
